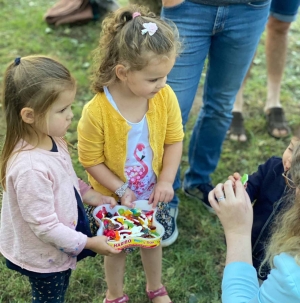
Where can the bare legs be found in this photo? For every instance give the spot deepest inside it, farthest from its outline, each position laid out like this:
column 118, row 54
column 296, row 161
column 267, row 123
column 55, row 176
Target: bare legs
column 152, row 259
column 276, row 48
column 115, row 269
column 114, row 273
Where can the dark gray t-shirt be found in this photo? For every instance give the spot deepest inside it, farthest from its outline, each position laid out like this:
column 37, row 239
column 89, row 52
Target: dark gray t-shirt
column 223, row 2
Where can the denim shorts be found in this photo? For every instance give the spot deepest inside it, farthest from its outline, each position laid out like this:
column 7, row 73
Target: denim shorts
column 284, row 10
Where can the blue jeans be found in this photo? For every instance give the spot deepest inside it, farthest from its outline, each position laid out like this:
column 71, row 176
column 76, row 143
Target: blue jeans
column 285, row 10
column 228, row 36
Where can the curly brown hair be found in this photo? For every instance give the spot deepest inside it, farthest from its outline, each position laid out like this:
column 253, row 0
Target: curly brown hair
column 121, row 42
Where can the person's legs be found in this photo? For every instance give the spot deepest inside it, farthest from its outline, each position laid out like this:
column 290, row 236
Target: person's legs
column 152, row 263
column 114, row 274
column 51, row 289
column 237, row 131
column 282, row 13
column 232, row 48
column 195, row 26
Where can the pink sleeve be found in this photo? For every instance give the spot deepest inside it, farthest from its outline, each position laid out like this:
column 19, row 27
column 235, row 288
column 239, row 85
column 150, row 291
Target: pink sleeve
column 83, row 187
column 37, row 209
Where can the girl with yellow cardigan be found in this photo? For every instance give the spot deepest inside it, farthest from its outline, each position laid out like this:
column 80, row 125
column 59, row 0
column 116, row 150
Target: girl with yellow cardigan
column 130, row 134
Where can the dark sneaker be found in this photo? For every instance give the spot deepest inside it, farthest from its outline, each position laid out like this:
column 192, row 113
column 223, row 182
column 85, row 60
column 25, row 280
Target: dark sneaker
column 200, row 193
column 167, row 216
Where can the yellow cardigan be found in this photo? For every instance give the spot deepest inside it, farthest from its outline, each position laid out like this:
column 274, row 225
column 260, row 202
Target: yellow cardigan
column 103, row 133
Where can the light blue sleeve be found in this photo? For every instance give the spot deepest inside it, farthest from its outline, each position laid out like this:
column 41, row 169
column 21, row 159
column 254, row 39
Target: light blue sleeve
column 283, row 283
column 240, row 283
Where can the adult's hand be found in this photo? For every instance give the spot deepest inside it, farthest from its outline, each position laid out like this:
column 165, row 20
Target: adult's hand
column 233, row 208
column 236, row 215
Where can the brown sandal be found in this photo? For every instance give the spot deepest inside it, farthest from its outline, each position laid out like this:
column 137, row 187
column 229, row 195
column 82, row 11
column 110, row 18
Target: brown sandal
column 276, row 120
column 237, row 125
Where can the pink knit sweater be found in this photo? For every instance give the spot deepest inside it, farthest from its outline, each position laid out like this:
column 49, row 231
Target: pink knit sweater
column 39, row 210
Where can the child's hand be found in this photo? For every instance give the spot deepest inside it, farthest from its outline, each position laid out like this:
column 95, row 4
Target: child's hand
column 234, row 177
column 108, row 200
column 162, row 192
column 99, row 245
column 94, row 198
column 128, row 198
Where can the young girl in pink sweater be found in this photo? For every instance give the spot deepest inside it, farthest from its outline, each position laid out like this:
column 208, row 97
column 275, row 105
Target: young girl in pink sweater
column 44, row 228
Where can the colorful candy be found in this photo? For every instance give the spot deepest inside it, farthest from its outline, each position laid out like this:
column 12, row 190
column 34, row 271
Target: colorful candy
column 125, row 224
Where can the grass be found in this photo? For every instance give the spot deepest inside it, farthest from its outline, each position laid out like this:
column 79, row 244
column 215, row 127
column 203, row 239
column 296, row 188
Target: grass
column 192, row 267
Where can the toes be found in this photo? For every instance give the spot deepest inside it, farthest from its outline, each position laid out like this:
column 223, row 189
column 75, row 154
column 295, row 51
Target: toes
column 234, row 137
column 283, row 133
column 241, row 138
column 279, row 133
column 276, row 132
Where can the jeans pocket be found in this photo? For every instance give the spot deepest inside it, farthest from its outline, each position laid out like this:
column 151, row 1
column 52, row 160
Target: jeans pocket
column 174, row 6
column 259, row 4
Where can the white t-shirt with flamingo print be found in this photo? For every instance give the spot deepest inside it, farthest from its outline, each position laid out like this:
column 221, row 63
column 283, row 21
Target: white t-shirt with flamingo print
column 138, row 166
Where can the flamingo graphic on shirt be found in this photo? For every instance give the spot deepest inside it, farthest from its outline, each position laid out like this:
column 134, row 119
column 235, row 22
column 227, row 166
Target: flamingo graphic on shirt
column 137, row 174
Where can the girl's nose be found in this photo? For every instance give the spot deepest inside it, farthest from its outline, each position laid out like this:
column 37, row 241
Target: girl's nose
column 71, row 115
column 288, row 163
column 162, row 83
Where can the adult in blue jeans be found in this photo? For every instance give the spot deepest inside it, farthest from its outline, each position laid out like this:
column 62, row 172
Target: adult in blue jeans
column 282, row 14
column 227, row 33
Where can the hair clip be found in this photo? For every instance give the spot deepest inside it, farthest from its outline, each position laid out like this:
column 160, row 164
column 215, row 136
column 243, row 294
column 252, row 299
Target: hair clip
column 135, row 14
column 150, row 28
column 17, row 60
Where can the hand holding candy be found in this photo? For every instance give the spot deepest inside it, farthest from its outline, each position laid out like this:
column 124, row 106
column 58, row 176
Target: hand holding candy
column 128, row 198
column 162, row 192
column 236, row 176
column 99, row 245
column 94, row 198
column 235, row 210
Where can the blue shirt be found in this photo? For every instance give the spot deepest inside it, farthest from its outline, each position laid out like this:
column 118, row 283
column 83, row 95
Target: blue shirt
column 240, row 284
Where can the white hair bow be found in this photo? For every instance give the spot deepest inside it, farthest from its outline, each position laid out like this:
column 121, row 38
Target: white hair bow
column 150, row 28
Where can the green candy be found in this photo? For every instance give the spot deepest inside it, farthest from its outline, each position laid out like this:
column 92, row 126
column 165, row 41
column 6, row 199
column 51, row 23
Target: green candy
column 121, row 211
column 244, row 179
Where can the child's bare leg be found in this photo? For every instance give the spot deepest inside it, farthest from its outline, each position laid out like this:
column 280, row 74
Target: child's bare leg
column 152, row 262
column 114, row 273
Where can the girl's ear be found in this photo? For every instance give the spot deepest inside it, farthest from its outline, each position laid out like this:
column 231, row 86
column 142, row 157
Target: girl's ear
column 27, row 115
column 121, row 72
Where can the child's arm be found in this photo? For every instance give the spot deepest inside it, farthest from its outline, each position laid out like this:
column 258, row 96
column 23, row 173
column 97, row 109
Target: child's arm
column 163, row 190
column 36, row 203
column 92, row 197
column 91, row 153
column 108, row 179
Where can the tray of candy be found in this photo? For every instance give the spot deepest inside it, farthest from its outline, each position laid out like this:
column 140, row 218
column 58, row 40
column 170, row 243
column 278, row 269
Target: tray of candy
column 129, row 227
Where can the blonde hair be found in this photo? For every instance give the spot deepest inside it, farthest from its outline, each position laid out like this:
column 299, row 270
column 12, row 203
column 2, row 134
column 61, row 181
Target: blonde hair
column 34, row 82
column 286, row 230
column 121, row 42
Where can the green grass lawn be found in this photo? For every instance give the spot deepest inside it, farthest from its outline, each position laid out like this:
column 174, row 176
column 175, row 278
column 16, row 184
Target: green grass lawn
column 193, row 266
